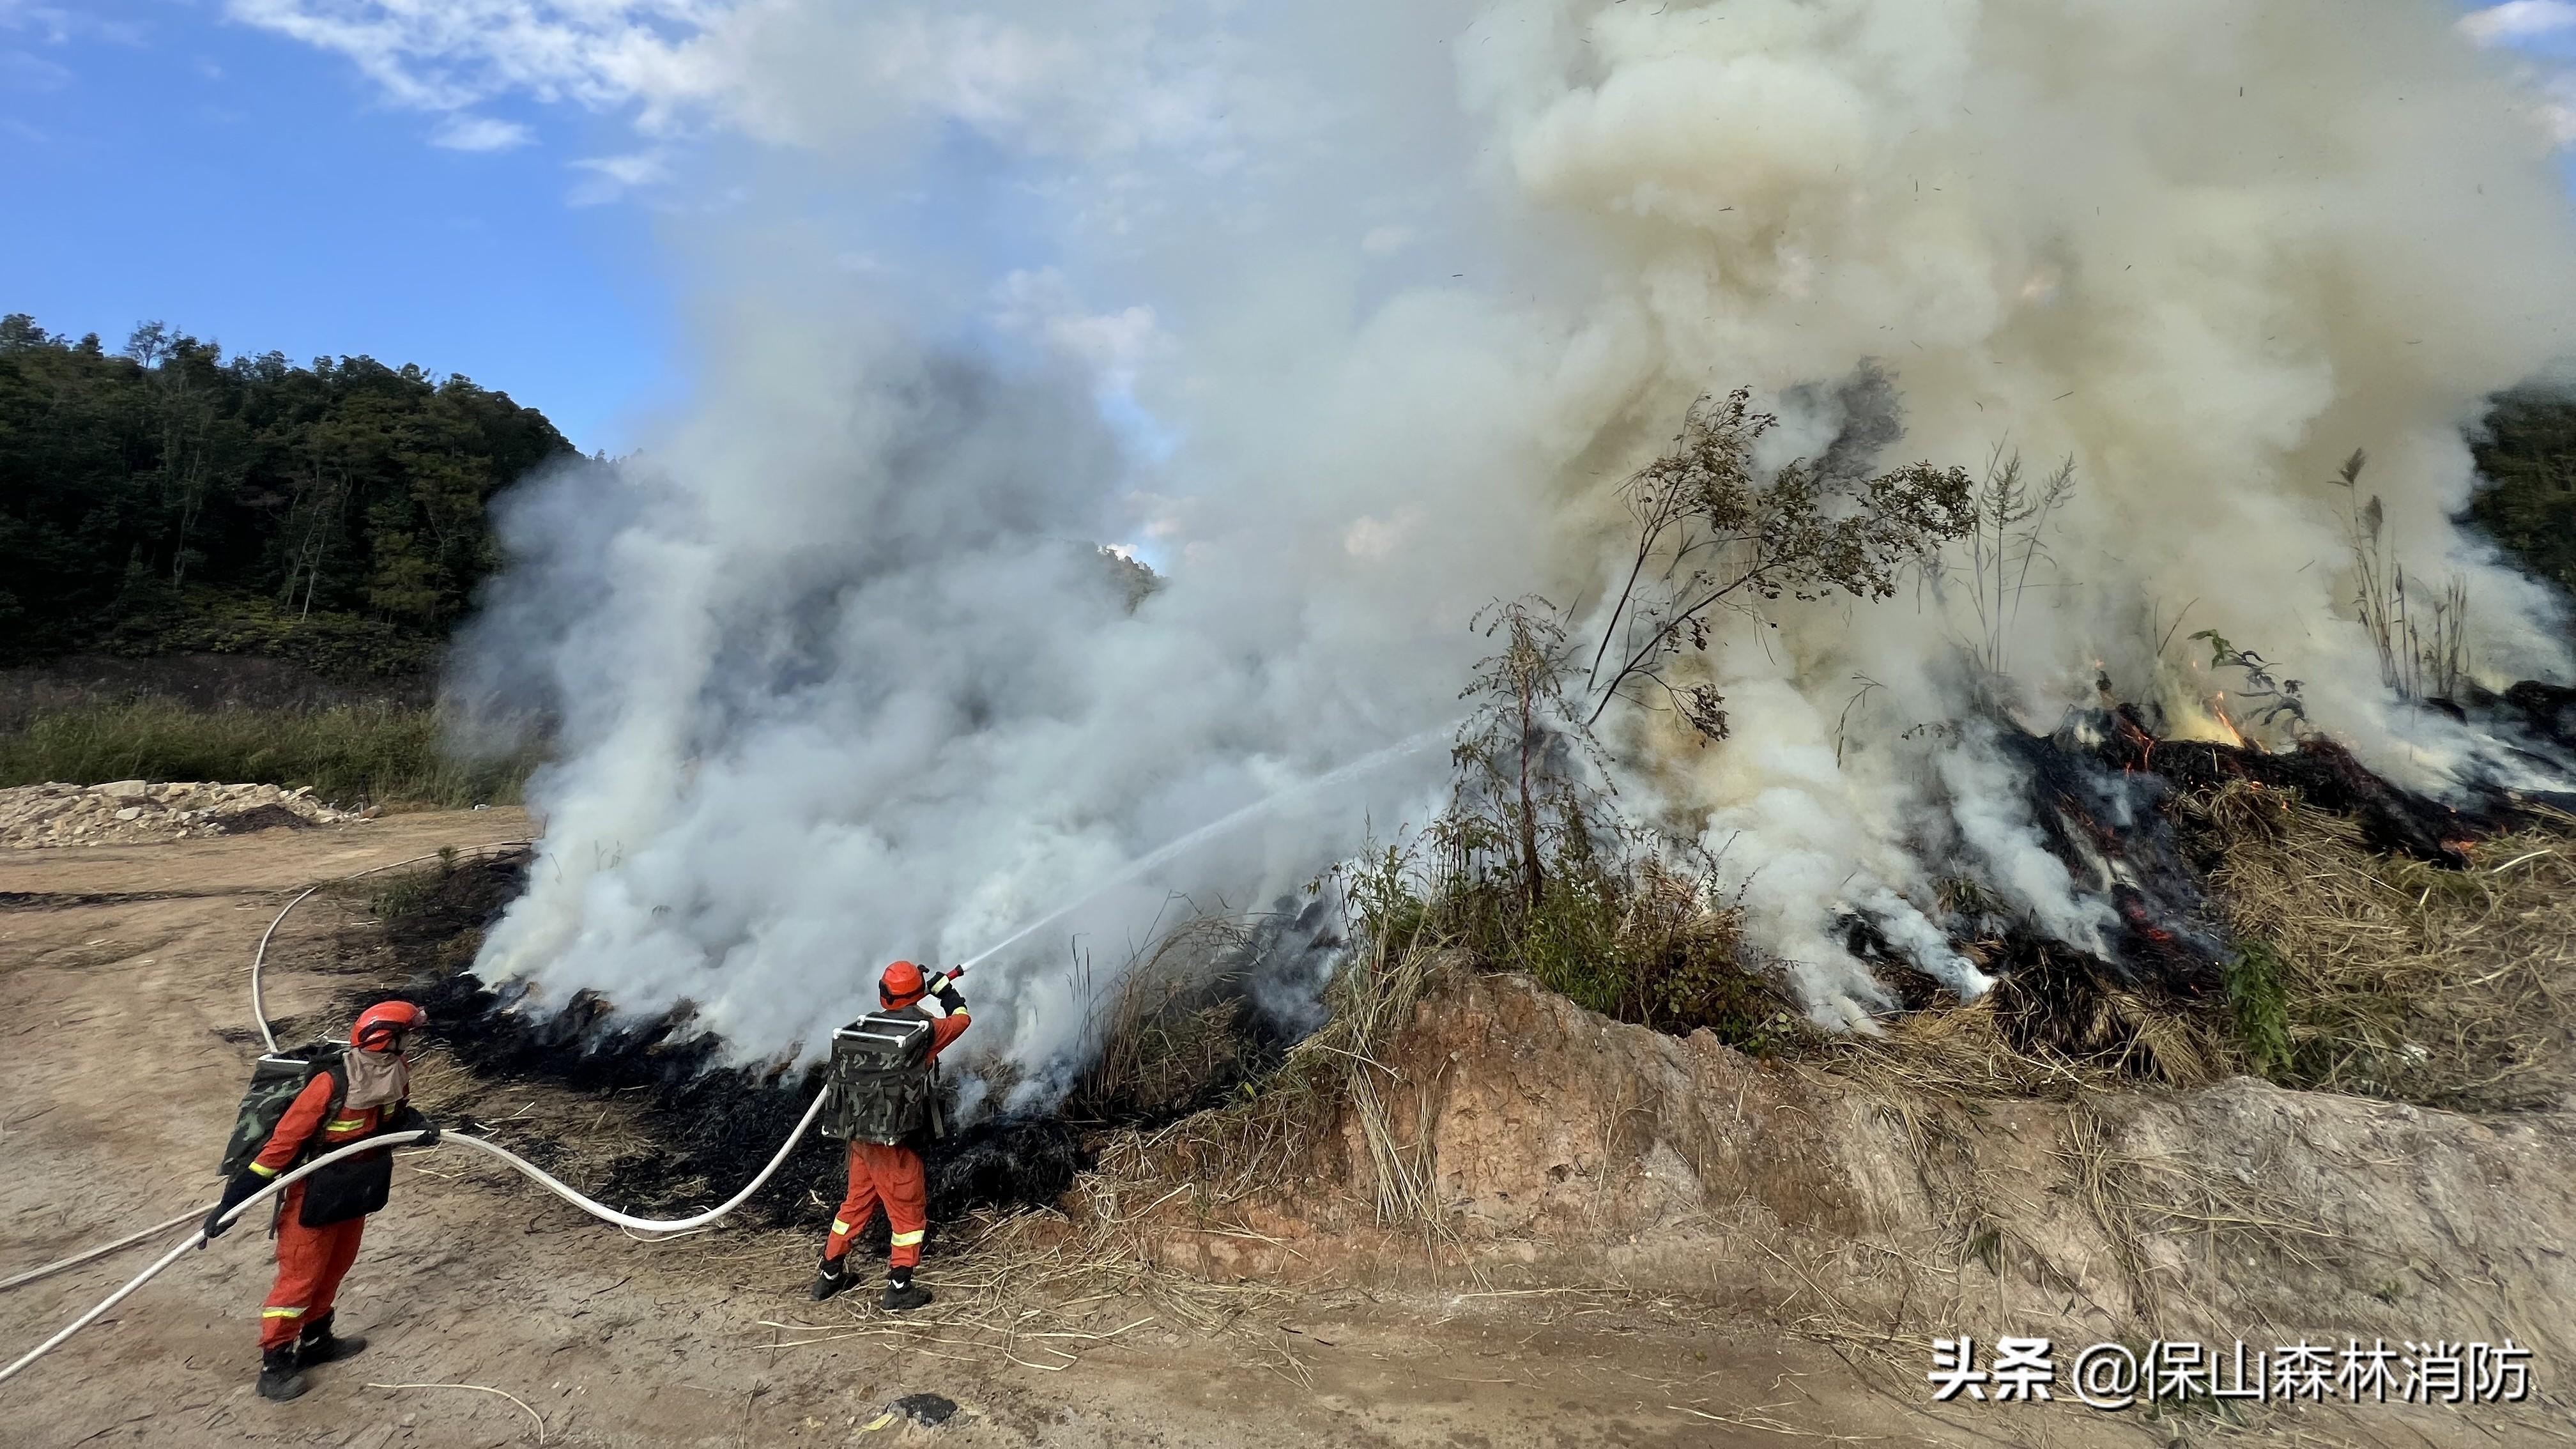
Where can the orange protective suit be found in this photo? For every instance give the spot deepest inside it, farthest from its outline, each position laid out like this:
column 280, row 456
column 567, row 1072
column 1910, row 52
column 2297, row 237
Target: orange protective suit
column 310, row 1261
column 891, row 1175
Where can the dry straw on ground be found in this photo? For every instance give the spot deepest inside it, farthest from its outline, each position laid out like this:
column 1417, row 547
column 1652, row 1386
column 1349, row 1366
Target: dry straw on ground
column 2360, row 973
column 1269, row 1140
column 2401, row 980
column 1038, row 1290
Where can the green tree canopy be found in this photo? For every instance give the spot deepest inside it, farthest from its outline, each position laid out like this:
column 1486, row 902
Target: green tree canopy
column 2528, row 454
column 166, row 497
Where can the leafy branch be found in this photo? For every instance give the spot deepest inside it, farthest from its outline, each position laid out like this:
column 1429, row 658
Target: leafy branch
column 1712, row 534
column 2268, row 698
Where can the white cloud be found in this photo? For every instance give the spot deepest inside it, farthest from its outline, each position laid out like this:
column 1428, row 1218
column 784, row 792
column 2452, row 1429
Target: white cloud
column 1048, row 77
column 56, row 24
column 2519, row 20
column 49, row 21
column 611, row 177
column 25, row 71
column 449, row 54
column 480, row 133
column 1113, row 345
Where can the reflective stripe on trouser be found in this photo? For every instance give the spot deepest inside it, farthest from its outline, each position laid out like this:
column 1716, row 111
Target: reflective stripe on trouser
column 891, row 1175
column 310, row 1264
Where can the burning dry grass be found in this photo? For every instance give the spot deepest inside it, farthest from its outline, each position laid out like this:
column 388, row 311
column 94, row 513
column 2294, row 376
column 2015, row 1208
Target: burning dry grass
column 2357, row 971
column 2386, row 977
column 2360, row 972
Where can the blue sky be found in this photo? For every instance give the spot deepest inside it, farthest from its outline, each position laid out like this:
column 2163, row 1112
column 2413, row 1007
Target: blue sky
column 163, row 162
column 471, row 184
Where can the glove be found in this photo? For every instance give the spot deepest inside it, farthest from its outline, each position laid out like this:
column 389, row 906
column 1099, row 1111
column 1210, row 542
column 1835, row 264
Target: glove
column 244, row 1183
column 412, row 1119
column 948, row 999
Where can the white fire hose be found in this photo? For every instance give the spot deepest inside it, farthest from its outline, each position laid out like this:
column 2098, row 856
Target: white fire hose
column 544, row 1179
column 601, row 1211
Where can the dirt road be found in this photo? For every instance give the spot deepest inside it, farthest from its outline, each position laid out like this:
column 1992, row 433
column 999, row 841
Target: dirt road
column 123, row 1002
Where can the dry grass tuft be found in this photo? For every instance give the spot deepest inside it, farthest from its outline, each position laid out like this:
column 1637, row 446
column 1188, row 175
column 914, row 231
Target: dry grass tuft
column 1176, row 1032
column 1974, row 1052
column 1275, row 1134
column 2386, row 977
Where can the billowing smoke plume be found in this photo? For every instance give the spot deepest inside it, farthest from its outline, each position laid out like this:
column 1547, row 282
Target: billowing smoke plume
column 1350, row 321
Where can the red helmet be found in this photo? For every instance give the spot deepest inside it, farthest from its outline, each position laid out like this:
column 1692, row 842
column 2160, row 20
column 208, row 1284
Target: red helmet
column 901, row 986
column 382, row 1025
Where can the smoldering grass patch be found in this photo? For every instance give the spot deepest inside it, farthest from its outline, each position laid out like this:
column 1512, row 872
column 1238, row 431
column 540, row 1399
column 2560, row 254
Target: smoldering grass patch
column 2384, row 976
column 1189, row 1093
column 1272, row 1137
column 1180, row 1031
column 669, row 1127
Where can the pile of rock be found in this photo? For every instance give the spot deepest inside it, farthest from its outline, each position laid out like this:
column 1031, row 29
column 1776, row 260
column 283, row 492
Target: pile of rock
column 130, row 812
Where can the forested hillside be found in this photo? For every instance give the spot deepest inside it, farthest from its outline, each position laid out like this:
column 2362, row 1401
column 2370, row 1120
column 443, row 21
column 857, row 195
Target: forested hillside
column 2529, row 458
column 164, row 498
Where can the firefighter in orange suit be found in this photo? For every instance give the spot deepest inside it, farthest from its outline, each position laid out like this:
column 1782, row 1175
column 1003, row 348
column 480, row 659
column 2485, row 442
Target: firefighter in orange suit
column 319, row 1219
column 892, row 1172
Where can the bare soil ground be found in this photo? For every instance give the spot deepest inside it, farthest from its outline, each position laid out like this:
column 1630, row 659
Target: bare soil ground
column 504, row 1317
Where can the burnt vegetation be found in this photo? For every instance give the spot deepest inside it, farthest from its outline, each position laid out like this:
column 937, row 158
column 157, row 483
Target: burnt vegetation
column 1532, row 868
column 2286, row 913
column 1184, row 1029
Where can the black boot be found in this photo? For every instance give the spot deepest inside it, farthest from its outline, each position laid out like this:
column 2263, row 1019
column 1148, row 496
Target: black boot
column 318, row 1344
column 278, row 1378
column 902, row 1293
column 834, row 1277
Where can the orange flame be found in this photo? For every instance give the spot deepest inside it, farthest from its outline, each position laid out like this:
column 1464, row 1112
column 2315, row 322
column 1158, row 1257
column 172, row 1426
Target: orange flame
column 2218, row 711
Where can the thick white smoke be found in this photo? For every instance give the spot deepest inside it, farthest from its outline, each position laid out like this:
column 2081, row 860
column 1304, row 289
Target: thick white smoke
column 1350, row 320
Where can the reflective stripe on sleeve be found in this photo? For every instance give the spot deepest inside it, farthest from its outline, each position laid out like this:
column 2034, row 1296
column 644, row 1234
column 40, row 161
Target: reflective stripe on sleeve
column 346, row 1124
column 907, row 1240
column 263, row 1171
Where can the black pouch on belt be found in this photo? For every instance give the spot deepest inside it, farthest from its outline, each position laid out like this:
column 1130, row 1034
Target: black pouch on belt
column 350, row 1188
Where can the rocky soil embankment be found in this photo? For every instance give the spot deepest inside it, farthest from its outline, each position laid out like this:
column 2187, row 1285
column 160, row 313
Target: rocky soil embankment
column 1556, row 1144
column 134, row 812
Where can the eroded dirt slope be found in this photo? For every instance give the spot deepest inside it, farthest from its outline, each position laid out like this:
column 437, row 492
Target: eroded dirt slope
column 1555, row 1147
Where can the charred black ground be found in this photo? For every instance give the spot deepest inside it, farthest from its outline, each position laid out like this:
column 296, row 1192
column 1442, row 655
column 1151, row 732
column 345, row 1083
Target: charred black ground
column 1220, row 1004
column 714, row 1127
column 2117, row 803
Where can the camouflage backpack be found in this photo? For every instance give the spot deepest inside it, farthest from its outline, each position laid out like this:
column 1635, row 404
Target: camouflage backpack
column 274, row 1085
column 882, row 1085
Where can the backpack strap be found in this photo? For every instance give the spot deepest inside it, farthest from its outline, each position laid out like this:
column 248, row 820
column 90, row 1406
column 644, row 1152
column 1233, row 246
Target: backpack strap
column 336, row 1069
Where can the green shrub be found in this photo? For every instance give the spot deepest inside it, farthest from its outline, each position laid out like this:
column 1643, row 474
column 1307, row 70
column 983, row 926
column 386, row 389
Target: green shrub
column 1623, row 937
column 349, row 755
column 211, row 621
column 2258, row 994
